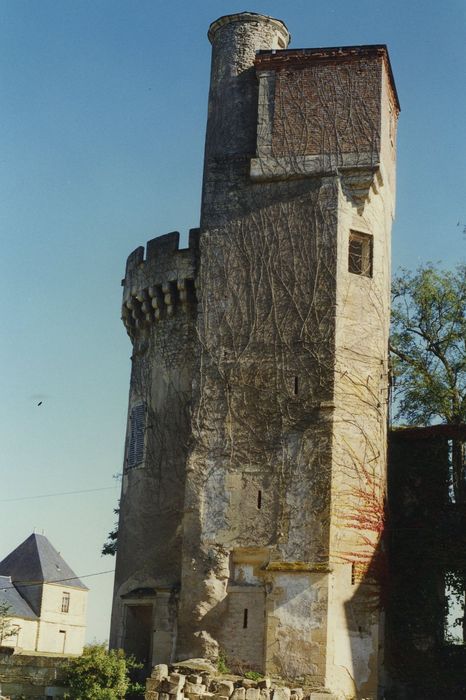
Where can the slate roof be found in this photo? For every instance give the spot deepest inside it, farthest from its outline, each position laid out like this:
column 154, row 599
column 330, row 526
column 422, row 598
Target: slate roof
column 17, row 605
column 36, row 561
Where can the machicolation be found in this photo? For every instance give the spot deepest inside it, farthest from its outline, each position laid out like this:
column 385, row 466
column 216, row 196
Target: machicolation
column 161, row 283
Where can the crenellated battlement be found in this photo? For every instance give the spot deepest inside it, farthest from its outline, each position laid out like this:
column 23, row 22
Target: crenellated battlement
column 159, row 281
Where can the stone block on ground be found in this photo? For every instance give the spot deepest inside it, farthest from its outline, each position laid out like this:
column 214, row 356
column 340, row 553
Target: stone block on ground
column 152, row 684
column 206, row 679
column 167, row 687
column 264, row 683
column 176, row 696
column 200, row 665
column 299, row 692
column 253, row 694
column 160, row 671
column 248, row 683
column 281, row 694
column 196, row 680
column 225, row 687
column 173, row 684
column 239, row 694
column 177, row 678
column 194, row 688
column 149, row 695
column 164, row 696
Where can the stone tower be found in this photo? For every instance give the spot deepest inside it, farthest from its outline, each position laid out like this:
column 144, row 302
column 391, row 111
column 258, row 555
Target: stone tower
column 253, row 488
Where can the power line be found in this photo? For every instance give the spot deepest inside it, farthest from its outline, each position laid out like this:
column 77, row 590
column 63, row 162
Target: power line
column 49, row 495
column 27, row 584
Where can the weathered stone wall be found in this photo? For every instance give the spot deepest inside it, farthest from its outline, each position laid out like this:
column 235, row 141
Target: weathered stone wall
column 267, row 294
column 159, row 307
column 31, row 677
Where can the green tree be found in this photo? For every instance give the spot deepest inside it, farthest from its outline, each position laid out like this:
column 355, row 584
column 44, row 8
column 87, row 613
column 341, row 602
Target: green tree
column 100, row 674
column 110, row 546
column 7, row 628
column 428, row 345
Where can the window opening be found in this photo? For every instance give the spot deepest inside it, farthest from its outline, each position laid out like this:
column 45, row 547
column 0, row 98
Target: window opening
column 360, row 254
column 259, row 499
column 65, row 602
column 296, row 386
column 62, row 640
column 245, row 618
column 456, row 471
column 454, row 627
column 136, row 436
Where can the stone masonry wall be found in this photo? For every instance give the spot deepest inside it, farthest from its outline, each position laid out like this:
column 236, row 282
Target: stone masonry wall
column 159, row 308
column 31, row 677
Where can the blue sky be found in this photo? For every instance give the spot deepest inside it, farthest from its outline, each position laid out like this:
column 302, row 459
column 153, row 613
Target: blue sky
column 101, row 146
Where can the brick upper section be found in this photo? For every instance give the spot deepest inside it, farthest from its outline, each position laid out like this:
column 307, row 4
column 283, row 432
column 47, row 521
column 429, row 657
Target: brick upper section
column 327, row 100
column 301, row 58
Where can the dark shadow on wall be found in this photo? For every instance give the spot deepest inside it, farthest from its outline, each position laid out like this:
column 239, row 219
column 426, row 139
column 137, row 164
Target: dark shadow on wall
column 425, row 638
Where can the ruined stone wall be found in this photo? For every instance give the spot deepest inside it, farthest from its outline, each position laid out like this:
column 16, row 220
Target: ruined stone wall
column 33, row 677
column 426, row 655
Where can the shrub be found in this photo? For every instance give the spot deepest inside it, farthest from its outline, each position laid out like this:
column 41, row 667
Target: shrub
column 100, row 674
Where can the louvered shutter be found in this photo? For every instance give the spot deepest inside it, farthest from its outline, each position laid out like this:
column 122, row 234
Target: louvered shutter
column 136, row 437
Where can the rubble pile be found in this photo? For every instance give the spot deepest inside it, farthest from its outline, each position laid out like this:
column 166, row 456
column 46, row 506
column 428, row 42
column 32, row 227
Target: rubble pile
column 164, row 684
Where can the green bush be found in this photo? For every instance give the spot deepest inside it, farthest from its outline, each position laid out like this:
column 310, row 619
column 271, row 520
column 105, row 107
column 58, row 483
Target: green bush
column 253, row 675
column 222, row 666
column 100, row 674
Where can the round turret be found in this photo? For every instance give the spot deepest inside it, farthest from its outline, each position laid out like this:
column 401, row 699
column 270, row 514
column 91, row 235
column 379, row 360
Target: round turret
column 233, row 100
column 279, row 33
column 231, row 127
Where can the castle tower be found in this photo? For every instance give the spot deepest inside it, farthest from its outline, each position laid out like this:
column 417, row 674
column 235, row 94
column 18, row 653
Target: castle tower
column 271, row 548
column 159, row 303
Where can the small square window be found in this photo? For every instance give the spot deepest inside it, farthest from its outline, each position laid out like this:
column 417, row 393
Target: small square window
column 360, row 254
column 65, row 602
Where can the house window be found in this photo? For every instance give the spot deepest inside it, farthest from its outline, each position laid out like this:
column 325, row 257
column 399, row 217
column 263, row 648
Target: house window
column 136, row 436
column 65, row 602
column 360, row 254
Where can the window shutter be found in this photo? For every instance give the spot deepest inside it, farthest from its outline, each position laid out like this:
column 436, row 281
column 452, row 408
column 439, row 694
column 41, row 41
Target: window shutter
column 136, row 437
